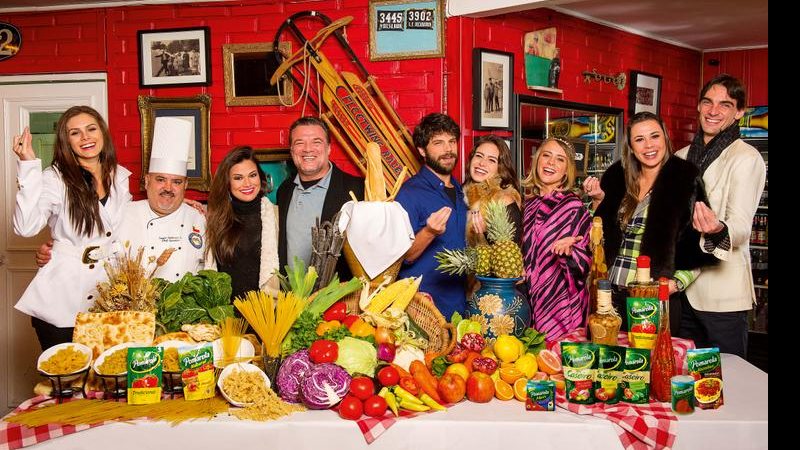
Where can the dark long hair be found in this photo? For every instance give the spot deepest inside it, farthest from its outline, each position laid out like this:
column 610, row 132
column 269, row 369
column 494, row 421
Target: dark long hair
column 633, row 168
column 82, row 200
column 505, row 166
column 223, row 228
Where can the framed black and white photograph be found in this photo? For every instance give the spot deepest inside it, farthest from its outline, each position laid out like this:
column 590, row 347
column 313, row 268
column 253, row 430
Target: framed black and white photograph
column 195, row 109
column 492, row 88
column 645, row 92
column 174, row 57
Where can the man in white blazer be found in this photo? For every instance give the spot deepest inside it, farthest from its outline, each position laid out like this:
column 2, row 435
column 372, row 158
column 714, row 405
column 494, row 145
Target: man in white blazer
column 719, row 298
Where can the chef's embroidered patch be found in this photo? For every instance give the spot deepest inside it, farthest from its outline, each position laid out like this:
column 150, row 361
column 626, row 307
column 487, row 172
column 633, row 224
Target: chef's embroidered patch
column 195, row 239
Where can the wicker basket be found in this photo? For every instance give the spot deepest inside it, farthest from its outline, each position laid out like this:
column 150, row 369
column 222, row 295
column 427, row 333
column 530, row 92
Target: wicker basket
column 422, row 310
column 441, row 334
column 358, row 270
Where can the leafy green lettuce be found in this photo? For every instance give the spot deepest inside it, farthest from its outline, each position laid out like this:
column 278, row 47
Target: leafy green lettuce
column 205, row 297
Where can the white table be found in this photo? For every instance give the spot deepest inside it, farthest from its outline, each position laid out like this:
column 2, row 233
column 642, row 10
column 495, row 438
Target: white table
column 740, row 424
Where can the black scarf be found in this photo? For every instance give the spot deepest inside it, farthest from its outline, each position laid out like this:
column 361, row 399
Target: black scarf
column 703, row 155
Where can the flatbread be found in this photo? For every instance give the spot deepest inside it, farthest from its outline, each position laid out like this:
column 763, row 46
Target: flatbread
column 176, row 336
column 100, row 331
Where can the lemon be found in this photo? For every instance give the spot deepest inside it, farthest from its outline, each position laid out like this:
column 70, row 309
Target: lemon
column 527, row 364
column 507, row 348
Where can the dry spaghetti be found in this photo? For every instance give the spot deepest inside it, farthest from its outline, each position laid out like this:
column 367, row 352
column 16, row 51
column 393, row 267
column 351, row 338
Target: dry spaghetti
column 270, row 319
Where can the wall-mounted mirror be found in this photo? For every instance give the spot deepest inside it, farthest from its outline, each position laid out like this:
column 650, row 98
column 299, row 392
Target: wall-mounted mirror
column 595, row 131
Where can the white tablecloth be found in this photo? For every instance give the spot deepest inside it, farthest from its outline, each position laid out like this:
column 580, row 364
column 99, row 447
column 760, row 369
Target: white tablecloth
column 740, row 424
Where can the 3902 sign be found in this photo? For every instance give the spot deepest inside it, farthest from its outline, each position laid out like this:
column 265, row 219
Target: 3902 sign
column 419, row 19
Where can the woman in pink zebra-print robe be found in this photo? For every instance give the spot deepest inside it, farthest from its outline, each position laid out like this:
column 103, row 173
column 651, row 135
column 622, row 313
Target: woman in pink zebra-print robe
column 555, row 241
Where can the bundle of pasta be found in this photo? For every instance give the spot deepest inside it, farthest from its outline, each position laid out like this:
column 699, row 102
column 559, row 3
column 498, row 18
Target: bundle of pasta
column 271, row 320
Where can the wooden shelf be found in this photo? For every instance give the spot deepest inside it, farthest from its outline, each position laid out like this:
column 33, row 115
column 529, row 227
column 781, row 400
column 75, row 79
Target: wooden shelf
column 759, row 247
column 761, row 286
column 546, row 89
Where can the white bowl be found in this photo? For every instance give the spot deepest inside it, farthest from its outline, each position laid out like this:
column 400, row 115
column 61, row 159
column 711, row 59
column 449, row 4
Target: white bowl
column 229, row 369
column 246, row 350
column 54, row 349
column 108, row 352
column 174, row 343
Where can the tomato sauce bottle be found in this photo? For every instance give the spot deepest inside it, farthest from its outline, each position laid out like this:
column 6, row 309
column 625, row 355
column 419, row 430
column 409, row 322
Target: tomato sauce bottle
column 662, row 367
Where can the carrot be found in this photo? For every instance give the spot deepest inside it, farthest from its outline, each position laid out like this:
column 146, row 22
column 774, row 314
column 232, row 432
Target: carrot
column 426, row 381
column 403, row 372
column 429, row 357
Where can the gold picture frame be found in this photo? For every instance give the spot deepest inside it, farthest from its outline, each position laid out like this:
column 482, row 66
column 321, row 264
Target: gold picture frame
column 198, row 110
column 247, row 70
column 406, row 29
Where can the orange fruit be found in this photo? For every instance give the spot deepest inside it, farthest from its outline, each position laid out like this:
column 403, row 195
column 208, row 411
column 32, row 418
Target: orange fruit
column 510, row 374
column 549, row 362
column 559, row 379
column 520, row 389
column 459, row 369
column 503, row 390
column 539, row 376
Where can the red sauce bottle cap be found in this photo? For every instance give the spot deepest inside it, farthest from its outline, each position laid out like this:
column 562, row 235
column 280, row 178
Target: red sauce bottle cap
column 663, row 289
column 643, row 262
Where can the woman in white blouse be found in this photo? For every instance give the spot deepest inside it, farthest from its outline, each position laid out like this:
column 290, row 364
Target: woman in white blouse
column 81, row 197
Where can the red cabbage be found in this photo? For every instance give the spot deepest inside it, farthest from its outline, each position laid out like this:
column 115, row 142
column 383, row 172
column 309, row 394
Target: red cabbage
column 292, row 371
column 324, row 386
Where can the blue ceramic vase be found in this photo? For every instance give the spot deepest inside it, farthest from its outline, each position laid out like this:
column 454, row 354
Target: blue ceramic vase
column 499, row 307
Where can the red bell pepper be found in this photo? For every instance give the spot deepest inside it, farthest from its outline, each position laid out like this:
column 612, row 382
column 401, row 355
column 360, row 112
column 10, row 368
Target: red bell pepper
column 337, row 311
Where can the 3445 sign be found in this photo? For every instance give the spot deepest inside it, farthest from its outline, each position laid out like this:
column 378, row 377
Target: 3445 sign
column 10, row 40
column 405, row 29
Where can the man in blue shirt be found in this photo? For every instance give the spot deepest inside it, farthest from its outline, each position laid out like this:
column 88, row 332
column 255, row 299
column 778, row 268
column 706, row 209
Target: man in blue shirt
column 435, row 205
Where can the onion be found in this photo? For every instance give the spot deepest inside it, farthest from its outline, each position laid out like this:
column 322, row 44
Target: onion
column 386, row 352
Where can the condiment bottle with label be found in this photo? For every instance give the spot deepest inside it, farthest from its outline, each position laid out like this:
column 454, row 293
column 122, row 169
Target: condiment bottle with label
column 643, row 286
column 662, row 364
column 605, row 322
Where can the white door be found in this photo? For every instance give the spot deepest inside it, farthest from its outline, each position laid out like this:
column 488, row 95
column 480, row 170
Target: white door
column 25, row 100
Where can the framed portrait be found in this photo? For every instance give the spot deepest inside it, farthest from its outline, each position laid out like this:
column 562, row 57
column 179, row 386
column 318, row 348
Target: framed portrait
column 277, row 166
column 196, row 109
column 581, row 154
column 247, row 70
column 405, row 29
column 492, row 89
column 645, row 93
column 174, row 57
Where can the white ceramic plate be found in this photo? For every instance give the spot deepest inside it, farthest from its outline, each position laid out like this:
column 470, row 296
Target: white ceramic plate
column 174, row 343
column 229, row 369
column 54, row 349
column 246, row 350
column 108, row 352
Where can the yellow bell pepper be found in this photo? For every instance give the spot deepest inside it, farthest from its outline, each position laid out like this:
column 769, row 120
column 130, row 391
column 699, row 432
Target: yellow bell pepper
column 359, row 328
column 324, row 327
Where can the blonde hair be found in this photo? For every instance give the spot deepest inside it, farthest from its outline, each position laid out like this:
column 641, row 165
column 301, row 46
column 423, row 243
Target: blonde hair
column 533, row 184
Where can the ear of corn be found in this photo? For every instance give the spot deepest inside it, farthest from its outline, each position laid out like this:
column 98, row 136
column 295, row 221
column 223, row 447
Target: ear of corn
column 385, row 297
column 374, row 181
column 401, row 302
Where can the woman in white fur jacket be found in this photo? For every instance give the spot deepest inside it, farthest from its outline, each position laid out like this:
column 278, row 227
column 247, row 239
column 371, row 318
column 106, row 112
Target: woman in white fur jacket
column 241, row 228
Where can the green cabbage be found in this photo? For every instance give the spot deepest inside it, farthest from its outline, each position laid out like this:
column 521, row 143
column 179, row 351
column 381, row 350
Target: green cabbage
column 357, row 356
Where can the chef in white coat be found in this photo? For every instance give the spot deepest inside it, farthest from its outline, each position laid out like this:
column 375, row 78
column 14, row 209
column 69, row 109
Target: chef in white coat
column 163, row 220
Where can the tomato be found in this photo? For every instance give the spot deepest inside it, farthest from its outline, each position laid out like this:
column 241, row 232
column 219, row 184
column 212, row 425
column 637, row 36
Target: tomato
column 409, row 384
column 151, row 381
column 388, row 376
column 351, row 408
column 649, row 327
column 362, row 387
column 348, row 320
column 337, row 311
column 323, row 351
column 138, row 383
column 375, row 406
column 601, row 395
column 627, row 393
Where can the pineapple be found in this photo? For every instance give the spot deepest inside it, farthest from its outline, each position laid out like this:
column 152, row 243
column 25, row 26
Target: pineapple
column 457, row 262
column 506, row 257
column 483, row 264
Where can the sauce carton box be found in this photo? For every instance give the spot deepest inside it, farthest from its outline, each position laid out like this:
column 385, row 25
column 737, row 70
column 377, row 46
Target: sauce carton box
column 635, row 382
column 579, row 360
column 541, row 395
column 642, row 321
column 144, row 375
column 197, row 371
column 609, row 374
column 705, row 365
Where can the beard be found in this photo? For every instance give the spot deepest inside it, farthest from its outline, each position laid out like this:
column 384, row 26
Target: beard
column 438, row 167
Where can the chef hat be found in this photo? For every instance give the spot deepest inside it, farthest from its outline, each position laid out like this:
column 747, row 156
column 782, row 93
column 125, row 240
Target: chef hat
column 172, row 141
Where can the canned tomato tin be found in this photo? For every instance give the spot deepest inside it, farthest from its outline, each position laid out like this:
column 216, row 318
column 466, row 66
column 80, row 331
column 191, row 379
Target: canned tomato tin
column 682, row 389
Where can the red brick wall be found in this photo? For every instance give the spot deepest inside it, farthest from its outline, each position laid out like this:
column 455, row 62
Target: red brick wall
column 751, row 66
column 585, row 46
column 105, row 40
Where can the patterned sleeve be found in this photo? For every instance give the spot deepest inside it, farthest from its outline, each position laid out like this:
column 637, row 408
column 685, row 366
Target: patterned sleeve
column 580, row 261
